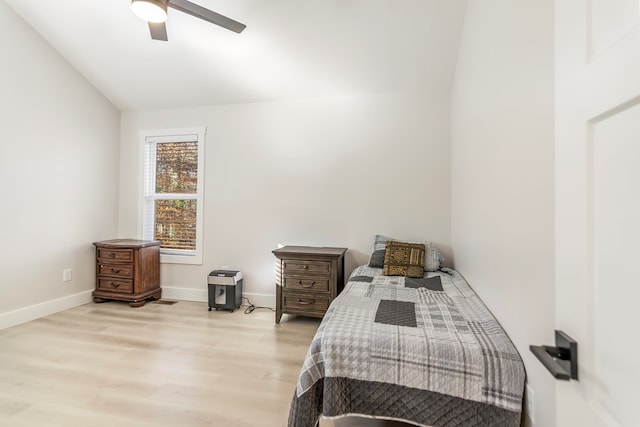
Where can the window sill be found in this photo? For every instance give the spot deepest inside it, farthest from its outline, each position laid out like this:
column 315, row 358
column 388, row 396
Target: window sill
column 181, row 259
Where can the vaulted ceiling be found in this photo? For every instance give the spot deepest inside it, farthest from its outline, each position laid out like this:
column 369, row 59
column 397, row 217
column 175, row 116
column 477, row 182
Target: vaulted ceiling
column 290, row 49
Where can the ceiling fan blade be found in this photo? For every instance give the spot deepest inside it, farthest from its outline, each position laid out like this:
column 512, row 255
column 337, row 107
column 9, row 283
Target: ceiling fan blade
column 206, row 14
column 158, row 31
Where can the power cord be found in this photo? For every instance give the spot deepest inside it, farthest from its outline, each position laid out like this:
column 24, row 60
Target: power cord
column 252, row 307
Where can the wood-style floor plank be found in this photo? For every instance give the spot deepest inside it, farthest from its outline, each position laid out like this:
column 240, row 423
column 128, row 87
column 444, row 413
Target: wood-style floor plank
column 157, row 365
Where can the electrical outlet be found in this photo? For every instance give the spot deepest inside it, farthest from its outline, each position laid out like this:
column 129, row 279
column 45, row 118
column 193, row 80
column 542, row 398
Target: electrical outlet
column 530, row 404
column 66, row 275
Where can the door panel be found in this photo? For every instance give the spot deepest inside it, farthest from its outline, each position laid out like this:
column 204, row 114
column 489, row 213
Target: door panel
column 615, row 234
column 611, row 20
column 598, row 207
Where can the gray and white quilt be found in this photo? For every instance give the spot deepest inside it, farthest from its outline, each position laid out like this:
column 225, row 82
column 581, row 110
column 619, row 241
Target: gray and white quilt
column 425, row 351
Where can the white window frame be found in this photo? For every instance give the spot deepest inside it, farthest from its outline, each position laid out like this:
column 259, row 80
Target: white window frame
column 146, row 218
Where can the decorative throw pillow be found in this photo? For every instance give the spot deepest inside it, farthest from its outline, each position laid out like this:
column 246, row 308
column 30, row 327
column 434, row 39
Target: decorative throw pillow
column 403, row 259
column 377, row 256
column 432, row 259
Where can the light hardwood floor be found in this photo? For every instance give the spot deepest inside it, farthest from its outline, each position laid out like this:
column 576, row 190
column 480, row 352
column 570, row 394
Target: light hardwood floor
column 158, row 365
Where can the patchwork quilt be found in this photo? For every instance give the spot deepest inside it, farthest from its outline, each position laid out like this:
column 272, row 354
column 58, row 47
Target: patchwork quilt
column 425, row 351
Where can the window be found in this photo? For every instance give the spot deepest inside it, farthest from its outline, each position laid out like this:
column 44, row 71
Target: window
column 173, row 181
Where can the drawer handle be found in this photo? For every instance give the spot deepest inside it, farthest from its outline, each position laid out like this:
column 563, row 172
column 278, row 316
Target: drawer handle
column 306, row 301
column 115, row 270
column 112, row 254
column 115, row 285
column 306, row 267
column 308, row 285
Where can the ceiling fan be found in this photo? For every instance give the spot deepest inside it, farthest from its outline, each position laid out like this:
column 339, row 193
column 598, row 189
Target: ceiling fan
column 155, row 13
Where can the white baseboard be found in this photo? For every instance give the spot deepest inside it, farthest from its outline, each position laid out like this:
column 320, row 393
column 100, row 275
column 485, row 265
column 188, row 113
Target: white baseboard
column 185, row 294
column 201, row 295
column 36, row 311
column 261, row 300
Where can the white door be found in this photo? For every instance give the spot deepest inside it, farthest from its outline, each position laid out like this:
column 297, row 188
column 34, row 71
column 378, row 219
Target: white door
column 598, row 208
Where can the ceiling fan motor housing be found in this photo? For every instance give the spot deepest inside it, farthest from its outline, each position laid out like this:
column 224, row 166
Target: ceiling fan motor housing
column 150, row 10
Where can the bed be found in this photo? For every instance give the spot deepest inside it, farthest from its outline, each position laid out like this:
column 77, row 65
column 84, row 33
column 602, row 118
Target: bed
column 422, row 350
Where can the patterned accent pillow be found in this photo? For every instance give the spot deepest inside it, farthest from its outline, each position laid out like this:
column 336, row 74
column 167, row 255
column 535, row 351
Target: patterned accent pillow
column 403, row 259
column 432, row 258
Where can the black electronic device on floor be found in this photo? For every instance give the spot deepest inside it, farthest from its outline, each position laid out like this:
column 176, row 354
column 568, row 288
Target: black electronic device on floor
column 225, row 289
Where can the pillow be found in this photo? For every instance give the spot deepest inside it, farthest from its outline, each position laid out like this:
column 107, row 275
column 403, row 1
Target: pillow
column 432, row 258
column 377, row 256
column 403, row 259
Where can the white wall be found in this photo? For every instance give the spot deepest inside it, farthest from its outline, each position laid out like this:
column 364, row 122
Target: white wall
column 58, row 174
column 328, row 172
column 503, row 174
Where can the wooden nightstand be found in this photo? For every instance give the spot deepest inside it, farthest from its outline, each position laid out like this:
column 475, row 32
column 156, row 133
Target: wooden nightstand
column 307, row 279
column 127, row 270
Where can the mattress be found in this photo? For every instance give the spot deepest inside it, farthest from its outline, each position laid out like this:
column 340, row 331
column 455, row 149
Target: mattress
column 425, row 351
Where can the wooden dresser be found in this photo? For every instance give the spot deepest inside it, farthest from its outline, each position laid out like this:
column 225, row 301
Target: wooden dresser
column 307, row 279
column 127, row 270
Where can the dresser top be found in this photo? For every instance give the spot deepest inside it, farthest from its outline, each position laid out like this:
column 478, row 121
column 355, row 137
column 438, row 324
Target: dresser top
column 309, row 250
column 126, row 243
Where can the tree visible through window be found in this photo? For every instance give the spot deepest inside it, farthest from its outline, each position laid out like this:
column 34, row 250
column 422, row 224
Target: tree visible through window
column 176, row 173
column 173, row 201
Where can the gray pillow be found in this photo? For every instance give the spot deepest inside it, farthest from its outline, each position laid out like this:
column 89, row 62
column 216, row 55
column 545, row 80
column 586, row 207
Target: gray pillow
column 377, row 256
column 432, row 256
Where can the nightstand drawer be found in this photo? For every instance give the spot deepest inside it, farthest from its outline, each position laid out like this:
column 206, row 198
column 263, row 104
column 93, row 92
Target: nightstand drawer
column 307, row 302
column 296, row 267
column 109, row 254
column 307, row 283
column 115, row 285
column 116, row 270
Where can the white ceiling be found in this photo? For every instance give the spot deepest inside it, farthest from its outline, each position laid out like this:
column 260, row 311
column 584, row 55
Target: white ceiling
column 290, row 49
